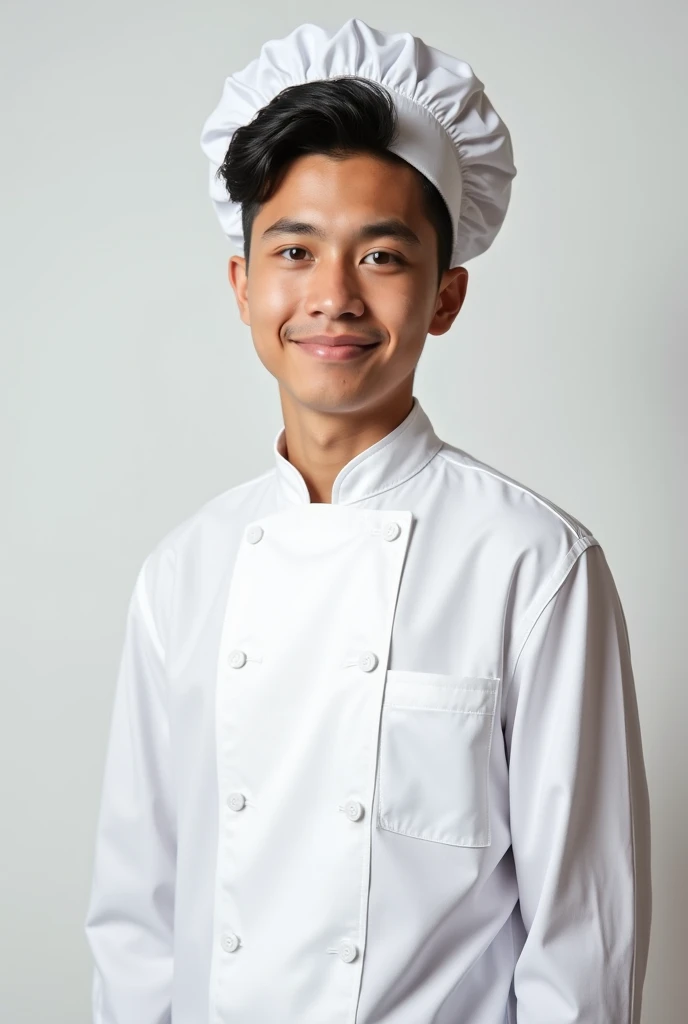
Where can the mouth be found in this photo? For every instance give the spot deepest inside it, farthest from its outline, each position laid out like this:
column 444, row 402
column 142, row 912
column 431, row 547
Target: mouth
column 335, row 351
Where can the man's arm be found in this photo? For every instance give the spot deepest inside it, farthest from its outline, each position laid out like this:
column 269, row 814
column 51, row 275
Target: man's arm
column 129, row 924
column 580, row 819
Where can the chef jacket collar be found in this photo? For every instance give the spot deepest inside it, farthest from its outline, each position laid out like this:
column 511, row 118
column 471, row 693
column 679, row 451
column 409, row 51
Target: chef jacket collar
column 392, row 460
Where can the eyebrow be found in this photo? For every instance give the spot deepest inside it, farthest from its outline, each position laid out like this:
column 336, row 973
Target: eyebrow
column 392, row 227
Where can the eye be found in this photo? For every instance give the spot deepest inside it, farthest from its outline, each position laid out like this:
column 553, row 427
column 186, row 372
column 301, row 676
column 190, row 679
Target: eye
column 291, row 249
column 391, row 256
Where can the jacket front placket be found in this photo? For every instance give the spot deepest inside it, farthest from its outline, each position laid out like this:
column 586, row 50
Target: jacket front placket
column 300, row 682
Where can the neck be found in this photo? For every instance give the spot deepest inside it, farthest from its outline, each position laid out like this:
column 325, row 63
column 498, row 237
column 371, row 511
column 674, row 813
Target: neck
column 319, row 443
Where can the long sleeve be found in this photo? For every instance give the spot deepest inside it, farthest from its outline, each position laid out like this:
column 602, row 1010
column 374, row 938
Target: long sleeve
column 129, row 923
column 580, row 818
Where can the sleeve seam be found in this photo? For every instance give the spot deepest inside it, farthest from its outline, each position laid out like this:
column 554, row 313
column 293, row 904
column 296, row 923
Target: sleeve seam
column 551, row 586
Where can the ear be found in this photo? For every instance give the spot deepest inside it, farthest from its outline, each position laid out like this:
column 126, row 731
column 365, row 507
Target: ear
column 452, row 292
column 238, row 278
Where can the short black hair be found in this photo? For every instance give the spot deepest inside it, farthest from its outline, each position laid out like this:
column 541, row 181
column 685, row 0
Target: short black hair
column 337, row 116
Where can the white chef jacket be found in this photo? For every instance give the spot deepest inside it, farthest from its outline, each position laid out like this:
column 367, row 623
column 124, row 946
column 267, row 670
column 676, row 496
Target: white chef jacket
column 374, row 761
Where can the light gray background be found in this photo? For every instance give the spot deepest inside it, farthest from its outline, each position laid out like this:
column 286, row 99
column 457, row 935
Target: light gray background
column 131, row 392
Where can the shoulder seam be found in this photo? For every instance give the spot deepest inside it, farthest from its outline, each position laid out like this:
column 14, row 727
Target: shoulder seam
column 481, row 468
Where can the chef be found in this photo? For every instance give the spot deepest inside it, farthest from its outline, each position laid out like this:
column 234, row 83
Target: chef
column 374, row 755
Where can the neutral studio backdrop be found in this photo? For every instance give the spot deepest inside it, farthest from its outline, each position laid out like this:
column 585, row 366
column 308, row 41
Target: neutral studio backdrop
column 131, row 391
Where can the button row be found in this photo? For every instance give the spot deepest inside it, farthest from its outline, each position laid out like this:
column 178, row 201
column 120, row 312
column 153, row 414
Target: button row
column 346, row 948
column 367, row 661
column 255, row 533
column 352, row 808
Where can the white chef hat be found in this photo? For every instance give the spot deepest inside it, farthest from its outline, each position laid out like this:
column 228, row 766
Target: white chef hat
column 448, row 129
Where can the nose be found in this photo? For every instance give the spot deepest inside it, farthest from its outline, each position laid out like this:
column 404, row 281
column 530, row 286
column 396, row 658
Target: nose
column 334, row 289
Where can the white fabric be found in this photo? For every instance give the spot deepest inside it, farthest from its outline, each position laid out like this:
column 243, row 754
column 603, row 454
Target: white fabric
column 374, row 762
column 448, row 129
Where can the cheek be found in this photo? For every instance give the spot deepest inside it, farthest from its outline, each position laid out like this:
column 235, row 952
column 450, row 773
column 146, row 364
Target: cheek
column 403, row 311
column 271, row 304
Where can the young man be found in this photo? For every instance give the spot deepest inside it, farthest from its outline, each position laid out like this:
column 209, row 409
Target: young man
column 375, row 752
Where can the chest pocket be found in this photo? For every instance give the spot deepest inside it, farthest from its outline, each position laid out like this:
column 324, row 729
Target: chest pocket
column 435, row 741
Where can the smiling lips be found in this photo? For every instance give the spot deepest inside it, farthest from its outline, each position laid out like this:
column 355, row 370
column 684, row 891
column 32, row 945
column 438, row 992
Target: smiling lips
column 336, row 347
column 336, row 339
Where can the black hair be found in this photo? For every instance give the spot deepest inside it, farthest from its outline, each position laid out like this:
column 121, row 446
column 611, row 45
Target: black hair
column 337, row 116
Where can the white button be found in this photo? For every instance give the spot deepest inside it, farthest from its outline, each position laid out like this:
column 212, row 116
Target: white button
column 254, row 534
column 391, row 531
column 353, row 809
column 229, row 942
column 347, row 950
column 236, row 801
column 367, row 661
column 237, row 659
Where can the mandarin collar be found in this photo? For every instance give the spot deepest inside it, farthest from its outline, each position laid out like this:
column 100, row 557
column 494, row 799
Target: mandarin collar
column 392, row 460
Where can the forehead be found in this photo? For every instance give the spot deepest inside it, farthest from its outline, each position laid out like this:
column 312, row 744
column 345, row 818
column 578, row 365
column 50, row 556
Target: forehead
column 338, row 190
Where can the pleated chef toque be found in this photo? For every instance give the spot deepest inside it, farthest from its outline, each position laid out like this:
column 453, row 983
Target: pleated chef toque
column 447, row 127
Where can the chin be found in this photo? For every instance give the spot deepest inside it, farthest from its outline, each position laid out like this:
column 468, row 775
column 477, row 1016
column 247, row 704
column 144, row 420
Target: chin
column 329, row 399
